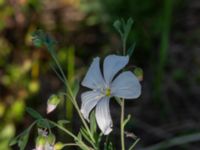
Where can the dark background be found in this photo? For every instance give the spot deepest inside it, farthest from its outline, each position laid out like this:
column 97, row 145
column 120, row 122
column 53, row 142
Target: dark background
column 167, row 34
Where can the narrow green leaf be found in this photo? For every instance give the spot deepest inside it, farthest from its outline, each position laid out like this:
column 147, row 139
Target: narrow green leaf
column 79, row 136
column 21, row 136
column 131, row 50
column 76, row 87
column 99, row 138
column 23, row 139
column 33, row 113
column 44, row 123
column 118, row 26
column 63, row 122
column 13, row 141
column 93, row 125
column 128, row 27
column 85, row 134
column 126, row 120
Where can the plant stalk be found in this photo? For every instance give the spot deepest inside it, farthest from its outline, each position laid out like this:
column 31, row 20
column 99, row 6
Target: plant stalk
column 121, row 125
column 122, row 105
column 73, row 100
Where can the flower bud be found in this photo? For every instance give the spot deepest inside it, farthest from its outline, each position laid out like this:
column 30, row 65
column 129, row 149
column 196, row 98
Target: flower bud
column 139, row 73
column 52, row 103
column 51, row 139
column 40, row 142
column 58, row 146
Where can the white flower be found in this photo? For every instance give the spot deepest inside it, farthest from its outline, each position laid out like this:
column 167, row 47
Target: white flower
column 103, row 87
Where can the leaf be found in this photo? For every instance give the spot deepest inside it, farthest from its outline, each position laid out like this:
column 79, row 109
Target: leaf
column 126, row 120
column 13, row 141
column 128, row 27
column 93, row 124
column 85, row 134
column 44, row 123
column 79, row 136
column 63, row 122
column 118, row 26
column 33, row 113
column 23, row 139
column 131, row 49
column 99, row 138
column 76, row 87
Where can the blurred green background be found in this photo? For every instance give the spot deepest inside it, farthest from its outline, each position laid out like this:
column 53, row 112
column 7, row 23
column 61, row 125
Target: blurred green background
column 167, row 34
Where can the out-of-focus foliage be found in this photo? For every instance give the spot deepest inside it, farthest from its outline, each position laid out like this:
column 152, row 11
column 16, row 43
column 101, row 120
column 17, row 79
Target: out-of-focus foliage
column 82, row 29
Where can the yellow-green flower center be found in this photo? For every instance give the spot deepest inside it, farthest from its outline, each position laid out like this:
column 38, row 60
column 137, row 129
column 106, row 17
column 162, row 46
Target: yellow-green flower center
column 108, row 92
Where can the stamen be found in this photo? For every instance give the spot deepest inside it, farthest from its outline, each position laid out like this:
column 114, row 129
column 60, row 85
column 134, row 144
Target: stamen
column 108, row 92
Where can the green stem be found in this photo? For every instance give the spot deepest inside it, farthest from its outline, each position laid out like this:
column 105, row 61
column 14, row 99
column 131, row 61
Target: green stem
column 83, row 120
column 122, row 105
column 124, row 46
column 71, row 134
column 73, row 100
column 132, row 146
column 70, row 144
column 121, row 125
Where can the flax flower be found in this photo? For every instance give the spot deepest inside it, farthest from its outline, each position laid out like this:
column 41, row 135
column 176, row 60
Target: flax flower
column 103, row 87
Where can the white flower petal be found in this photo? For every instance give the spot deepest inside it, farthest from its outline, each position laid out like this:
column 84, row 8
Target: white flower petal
column 112, row 65
column 103, row 117
column 126, row 85
column 89, row 100
column 39, row 148
column 50, row 108
column 94, row 78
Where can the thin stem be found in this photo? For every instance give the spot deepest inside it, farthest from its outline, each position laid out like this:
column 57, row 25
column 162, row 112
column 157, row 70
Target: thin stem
column 132, row 146
column 83, row 120
column 124, row 46
column 73, row 100
column 121, row 125
column 70, row 144
column 69, row 133
column 122, row 107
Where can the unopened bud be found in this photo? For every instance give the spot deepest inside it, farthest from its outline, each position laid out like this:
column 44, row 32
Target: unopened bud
column 58, row 146
column 51, row 139
column 52, row 103
column 40, row 142
column 139, row 73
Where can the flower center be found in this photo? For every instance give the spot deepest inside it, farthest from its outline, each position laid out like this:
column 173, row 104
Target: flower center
column 108, row 92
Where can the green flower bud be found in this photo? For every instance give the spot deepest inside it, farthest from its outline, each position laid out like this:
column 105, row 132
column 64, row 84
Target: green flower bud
column 51, row 139
column 41, row 141
column 52, row 103
column 58, row 146
column 139, row 73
